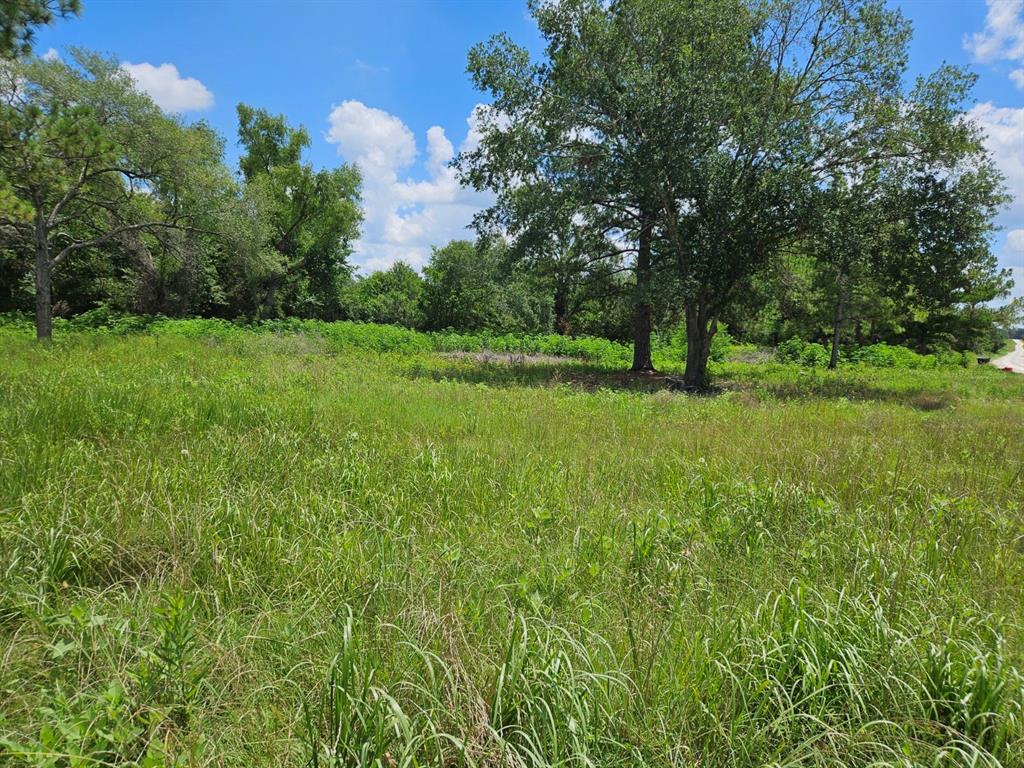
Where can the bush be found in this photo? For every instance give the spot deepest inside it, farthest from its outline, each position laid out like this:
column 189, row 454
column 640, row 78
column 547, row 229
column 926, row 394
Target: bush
column 805, row 353
column 814, row 355
column 390, row 296
column 890, row 356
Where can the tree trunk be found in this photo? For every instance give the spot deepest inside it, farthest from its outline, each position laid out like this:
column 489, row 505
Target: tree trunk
column 642, row 311
column 701, row 327
column 837, row 322
column 44, row 283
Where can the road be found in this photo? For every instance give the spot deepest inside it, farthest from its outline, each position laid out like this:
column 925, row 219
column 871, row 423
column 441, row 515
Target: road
column 1013, row 360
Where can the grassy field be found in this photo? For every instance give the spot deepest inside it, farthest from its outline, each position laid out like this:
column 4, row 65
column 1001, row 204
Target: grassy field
column 266, row 550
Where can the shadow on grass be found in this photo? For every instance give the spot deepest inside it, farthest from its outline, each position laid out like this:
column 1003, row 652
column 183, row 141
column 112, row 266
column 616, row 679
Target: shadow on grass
column 525, row 371
column 919, row 398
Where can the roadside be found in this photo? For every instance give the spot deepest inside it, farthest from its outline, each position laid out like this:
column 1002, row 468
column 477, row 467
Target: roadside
column 1014, row 360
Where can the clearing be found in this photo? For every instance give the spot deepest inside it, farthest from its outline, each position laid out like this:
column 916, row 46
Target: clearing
column 258, row 551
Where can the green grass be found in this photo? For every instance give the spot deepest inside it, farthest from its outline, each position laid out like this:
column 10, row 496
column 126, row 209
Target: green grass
column 279, row 550
column 669, row 353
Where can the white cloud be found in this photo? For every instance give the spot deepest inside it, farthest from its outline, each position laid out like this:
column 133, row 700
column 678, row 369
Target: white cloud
column 1004, row 129
column 1015, row 242
column 365, row 68
column 371, row 137
column 403, row 217
column 1012, row 255
column 168, row 89
column 50, row 55
column 1002, row 38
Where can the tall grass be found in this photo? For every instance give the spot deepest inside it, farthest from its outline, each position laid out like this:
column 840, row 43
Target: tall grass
column 669, row 352
column 267, row 549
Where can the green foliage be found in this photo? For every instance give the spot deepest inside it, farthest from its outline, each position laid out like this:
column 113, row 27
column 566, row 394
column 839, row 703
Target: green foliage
column 888, row 356
column 112, row 183
column 312, row 218
column 142, row 215
column 140, row 720
column 390, row 296
column 18, row 19
column 814, row 355
column 721, row 344
column 808, row 354
column 669, row 352
column 469, row 287
column 88, row 729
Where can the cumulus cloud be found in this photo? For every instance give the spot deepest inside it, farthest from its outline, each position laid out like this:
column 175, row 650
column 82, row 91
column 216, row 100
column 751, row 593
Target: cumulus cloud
column 168, row 88
column 403, row 217
column 1003, row 37
column 1015, row 242
column 1004, row 130
column 1012, row 255
column 50, row 55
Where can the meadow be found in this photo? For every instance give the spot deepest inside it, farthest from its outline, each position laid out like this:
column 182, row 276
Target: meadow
column 287, row 548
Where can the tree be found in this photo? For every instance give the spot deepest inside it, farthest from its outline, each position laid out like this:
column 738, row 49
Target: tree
column 18, row 19
column 943, row 257
column 314, row 216
column 564, row 149
column 816, row 95
column 390, row 296
column 555, row 259
column 472, row 286
column 626, row 124
column 459, row 289
column 848, row 238
column 911, row 219
column 89, row 161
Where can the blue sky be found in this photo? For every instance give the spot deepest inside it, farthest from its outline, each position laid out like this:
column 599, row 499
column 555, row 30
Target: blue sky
column 383, row 84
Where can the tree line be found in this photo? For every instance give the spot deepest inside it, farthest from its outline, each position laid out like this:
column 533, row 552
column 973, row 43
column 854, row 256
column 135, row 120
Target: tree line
column 108, row 199
column 758, row 165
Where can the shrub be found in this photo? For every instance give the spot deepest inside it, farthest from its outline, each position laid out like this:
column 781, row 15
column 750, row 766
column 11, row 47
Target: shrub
column 814, row 355
column 890, row 356
column 805, row 353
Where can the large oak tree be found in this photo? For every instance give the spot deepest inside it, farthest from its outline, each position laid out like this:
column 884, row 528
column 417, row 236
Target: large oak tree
column 692, row 140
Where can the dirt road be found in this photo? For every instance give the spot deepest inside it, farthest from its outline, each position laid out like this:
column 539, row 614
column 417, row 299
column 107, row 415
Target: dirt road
column 1013, row 360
